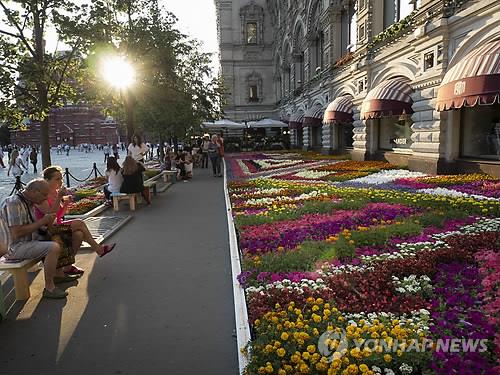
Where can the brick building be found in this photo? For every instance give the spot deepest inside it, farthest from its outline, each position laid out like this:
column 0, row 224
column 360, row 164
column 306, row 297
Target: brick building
column 74, row 125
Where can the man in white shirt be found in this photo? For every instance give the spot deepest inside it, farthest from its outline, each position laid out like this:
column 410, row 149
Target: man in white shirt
column 105, row 149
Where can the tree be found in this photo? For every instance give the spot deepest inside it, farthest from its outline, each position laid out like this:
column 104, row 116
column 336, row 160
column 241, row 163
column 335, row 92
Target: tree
column 33, row 81
column 175, row 88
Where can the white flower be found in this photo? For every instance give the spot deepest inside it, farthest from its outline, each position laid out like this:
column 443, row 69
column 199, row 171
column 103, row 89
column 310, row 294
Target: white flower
column 385, row 176
column 405, row 369
column 313, row 175
column 454, row 193
column 388, row 371
column 376, row 369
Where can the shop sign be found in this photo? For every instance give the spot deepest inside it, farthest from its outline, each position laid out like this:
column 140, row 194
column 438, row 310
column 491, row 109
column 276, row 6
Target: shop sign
column 400, row 141
column 459, row 88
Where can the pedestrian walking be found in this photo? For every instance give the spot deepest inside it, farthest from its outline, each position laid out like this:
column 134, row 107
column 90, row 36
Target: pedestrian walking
column 16, row 165
column 204, row 151
column 213, row 153
column 34, row 159
column 115, row 151
column 1, row 158
column 105, row 149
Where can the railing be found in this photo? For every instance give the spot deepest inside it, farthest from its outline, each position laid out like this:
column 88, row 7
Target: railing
column 18, row 185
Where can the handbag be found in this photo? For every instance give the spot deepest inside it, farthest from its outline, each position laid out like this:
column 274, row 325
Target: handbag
column 62, row 234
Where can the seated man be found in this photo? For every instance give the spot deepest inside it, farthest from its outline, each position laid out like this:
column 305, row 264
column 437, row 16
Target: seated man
column 17, row 212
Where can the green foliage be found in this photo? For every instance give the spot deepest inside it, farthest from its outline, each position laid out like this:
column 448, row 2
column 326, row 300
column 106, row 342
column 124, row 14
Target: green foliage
column 151, row 173
column 302, row 259
column 84, row 193
column 394, row 30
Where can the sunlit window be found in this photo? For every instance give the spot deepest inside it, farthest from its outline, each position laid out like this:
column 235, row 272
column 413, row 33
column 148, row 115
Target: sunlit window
column 251, row 33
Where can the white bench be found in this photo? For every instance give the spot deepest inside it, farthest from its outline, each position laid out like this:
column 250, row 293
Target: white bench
column 169, row 175
column 19, row 272
column 117, row 197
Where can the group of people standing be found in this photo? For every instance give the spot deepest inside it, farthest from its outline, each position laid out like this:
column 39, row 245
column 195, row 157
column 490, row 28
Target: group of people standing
column 212, row 148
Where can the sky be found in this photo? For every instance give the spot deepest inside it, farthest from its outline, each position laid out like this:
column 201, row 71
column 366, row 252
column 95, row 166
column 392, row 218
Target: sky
column 197, row 18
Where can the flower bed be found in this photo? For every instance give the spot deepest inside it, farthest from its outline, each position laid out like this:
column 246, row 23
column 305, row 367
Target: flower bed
column 378, row 273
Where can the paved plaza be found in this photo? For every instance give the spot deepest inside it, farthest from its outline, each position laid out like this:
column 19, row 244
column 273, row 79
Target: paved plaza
column 78, row 162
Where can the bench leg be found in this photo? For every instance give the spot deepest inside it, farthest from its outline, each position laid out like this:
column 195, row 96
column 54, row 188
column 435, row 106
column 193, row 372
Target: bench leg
column 132, row 203
column 116, row 204
column 154, row 191
column 21, row 283
column 2, row 304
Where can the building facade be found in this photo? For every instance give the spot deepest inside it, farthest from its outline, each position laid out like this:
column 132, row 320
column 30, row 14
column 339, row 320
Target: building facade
column 414, row 82
column 73, row 125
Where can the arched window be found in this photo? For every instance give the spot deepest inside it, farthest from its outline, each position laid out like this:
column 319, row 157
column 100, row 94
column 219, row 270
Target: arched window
column 348, row 35
column 317, row 40
column 298, row 56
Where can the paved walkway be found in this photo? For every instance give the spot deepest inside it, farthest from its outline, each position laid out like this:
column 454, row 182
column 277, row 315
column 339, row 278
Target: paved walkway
column 161, row 303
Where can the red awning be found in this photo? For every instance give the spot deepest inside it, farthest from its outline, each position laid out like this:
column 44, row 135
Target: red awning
column 389, row 98
column 474, row 80
column 314, row 116
column 296, row 120
column 339, row 111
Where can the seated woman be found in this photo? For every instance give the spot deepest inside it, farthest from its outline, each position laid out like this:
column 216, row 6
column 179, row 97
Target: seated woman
column 115, row 178
column 132, row 179
column 180, row 161
column 188, row 164
column 57, row 203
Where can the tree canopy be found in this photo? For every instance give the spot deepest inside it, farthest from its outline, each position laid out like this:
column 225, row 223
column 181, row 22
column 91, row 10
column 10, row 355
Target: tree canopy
column 174, row 89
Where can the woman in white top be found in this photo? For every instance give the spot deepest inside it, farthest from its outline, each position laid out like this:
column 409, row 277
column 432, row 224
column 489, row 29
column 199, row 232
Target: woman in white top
column 16, row 164
column 137, row 149
column 115, row 178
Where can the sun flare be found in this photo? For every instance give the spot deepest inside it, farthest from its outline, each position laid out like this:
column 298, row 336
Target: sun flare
column 118, row 72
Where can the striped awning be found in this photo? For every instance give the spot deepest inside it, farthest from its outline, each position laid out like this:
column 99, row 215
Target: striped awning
column 339, row 111
column 389, row 98
column 474, row 80
column 285, row 118
column 296, row 120
column 314, row 116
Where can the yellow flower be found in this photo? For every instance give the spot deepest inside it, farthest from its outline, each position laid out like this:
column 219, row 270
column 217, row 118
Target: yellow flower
column 262, row 370
column 281, row 352
column 304, row 369
column 363, row 368
column 305, row 356
column 281, row 372
column 269, row 369
column 269, row 348
column 284, row 336
column 387, row 358
column 295, row 358
column 316, row 318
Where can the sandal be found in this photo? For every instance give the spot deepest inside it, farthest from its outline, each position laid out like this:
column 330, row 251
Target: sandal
column 56, row 293
column 107, row 249
column 74, row 271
